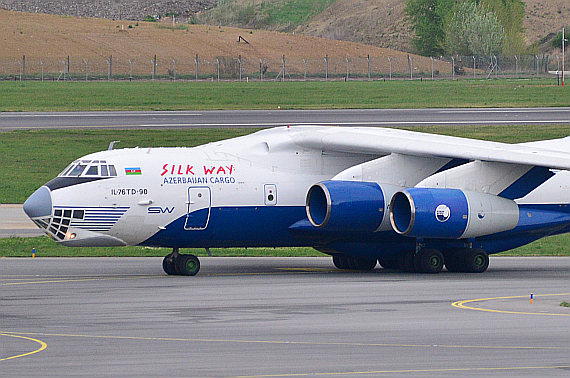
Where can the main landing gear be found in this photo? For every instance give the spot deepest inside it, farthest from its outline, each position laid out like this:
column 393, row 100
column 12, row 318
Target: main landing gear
column 353, row 263
column 467, row 260
column 179, row 264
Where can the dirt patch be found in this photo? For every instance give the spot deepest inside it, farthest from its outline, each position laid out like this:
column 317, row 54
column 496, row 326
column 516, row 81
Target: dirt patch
column 90, row 42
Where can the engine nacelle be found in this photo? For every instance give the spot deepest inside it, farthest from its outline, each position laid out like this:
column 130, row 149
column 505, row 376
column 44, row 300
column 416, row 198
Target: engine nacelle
column 450, row 213
column 349, row 206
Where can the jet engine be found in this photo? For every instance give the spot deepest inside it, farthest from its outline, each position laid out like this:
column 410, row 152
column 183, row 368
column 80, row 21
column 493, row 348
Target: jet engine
column 450, row 213
column 347, row 206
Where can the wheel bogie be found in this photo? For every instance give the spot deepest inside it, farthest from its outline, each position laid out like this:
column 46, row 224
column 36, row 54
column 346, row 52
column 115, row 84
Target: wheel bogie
column 181, row 265
column 467, row 260
column 428, row 261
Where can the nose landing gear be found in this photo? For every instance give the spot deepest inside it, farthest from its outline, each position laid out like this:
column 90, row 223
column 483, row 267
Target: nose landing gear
column 180, row 264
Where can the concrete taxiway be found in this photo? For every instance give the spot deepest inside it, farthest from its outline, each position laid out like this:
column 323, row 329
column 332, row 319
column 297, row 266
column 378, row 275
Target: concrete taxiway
column 286, row 317
column 14, row 222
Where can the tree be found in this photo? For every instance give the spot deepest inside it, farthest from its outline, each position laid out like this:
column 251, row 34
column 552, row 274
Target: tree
column 511, row 14
column 472, row 30
column 557, row 41
column 427, row 22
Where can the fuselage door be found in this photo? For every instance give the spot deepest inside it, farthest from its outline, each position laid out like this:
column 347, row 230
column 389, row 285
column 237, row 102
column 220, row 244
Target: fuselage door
column 199, row 205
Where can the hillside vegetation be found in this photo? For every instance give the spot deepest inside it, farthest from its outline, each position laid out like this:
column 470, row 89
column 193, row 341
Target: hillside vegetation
column 375, row 22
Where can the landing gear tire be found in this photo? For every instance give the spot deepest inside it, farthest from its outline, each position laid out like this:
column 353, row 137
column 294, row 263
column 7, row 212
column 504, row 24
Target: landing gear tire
column 476, row 261
column 406, row 260
column 187, row 265
column 455, row 260
column 168, row 265
column 340, row 261
column 428, row 261
column 361, row 263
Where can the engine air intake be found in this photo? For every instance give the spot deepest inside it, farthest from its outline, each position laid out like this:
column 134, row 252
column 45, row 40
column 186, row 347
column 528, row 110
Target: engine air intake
column 345, row 206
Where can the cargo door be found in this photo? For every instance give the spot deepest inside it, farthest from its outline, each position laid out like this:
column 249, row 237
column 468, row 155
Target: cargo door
column 199, row 207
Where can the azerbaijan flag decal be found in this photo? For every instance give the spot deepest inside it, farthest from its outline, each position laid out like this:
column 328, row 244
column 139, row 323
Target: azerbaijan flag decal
column 133, row 171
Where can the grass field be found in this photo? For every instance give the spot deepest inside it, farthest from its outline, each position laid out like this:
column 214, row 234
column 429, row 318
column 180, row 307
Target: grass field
column 77, row 96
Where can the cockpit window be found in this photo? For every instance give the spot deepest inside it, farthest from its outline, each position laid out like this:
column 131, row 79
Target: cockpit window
column 92, row 171
column 112, row 171
column 77, row 170
column 96, row 168
column 66, row 170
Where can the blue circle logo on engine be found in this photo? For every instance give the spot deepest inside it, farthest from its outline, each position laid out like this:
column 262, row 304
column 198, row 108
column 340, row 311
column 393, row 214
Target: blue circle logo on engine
column 442, row 213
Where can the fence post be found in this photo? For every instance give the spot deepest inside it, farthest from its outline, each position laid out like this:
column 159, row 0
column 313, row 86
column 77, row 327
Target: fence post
column 196, row 67
column 218, row 63
column 390, row 63
column 452, row 68
column 130, row 70
column 283, row 77
column 305, row 73
column 516, row 66
column 86, row 68
column 174, row 63
column 260, row 70
column 327, row 67
column 368, row 59
column 239, row 62
column 537, row 66
column 411, row 69
column 42, row 64
column 346, row 67
column 431, row 57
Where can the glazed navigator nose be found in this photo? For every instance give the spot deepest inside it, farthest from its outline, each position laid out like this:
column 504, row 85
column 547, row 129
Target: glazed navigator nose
column 39, row 204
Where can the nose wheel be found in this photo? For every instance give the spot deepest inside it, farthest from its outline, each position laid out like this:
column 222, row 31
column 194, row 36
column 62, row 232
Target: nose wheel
column 180, row 264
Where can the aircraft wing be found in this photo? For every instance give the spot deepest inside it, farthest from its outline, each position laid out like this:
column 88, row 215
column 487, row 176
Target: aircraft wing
column 384, row 141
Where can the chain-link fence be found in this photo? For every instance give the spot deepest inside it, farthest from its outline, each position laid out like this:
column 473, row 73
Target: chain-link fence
column 282, row 69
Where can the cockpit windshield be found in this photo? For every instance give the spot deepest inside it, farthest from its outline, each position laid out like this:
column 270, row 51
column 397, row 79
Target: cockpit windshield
column 89, row 168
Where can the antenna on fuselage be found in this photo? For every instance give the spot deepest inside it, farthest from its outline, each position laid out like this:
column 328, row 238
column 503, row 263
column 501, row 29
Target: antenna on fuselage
column 112, row 144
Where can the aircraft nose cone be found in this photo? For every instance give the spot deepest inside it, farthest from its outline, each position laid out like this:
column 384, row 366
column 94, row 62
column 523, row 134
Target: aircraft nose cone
column 39, row 204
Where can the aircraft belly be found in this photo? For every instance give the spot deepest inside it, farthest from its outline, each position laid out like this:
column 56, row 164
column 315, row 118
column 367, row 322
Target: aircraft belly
column 251, row 226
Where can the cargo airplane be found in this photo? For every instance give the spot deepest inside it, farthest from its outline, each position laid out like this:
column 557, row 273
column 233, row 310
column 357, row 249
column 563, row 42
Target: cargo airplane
column 406, row 200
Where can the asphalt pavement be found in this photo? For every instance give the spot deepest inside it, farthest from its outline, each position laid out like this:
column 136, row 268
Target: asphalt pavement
column 286, row 317
column 271, row 118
